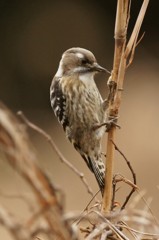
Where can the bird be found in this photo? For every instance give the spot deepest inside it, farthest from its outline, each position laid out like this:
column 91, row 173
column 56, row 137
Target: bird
column 79, row 107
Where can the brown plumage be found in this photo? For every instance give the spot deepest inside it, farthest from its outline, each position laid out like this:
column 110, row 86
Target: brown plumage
column 79, row 107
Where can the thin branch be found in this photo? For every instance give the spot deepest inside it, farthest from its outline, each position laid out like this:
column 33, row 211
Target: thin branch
column 58, row 152
column 15, row 228
column 135, row 33
column 20, row 155
column 133, row 175
column 22, row 197
column 77, row 221
column 119, row 178
column 128, row 198
column 133, row 51
column 139, row 232
column 144, row 200
column 122, row 179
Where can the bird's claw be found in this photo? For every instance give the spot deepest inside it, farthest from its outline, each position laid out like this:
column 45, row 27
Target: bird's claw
column 112, row 122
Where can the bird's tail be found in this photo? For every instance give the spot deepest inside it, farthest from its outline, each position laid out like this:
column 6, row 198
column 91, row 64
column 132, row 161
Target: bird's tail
column 98, row 168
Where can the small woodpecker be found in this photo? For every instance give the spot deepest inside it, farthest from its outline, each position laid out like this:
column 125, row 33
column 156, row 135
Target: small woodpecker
column 79, row 107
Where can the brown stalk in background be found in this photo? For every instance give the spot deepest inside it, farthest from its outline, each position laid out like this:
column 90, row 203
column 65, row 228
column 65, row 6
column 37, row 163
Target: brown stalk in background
column 123, row 56
column 14, row 142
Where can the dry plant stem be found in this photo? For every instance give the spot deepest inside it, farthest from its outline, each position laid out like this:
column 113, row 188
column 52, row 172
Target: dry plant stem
column 10, row 223
column 133, row 39
column 144, row 200
column 152, row 235
column 121, row 54
column 133, row 175
column 55, row 148
column 23, row 197
column 76, row 221
column 107, row 198
column 120, row 39
column 20, row 155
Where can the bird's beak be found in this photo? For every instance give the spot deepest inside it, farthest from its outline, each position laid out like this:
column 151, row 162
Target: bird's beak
column 97, row 68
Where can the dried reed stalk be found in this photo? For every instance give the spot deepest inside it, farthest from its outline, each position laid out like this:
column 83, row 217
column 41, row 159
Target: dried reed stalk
column 123, row 55
column 20, row 155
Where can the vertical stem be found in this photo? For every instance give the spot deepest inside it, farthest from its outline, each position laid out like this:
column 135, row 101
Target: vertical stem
column 122, row 16
column 121, row 53
column 109, row 172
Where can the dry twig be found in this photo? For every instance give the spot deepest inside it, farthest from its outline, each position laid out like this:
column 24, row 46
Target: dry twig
column 134, row 187
column 19, row 152
column 55, row 148
column 121, row 54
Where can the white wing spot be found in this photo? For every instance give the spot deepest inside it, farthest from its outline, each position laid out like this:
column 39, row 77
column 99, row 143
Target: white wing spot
column 56, row 109
column 53, row 101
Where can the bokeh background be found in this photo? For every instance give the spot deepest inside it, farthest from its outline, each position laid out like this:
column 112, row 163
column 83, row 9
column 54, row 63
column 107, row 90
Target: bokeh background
column 33, row 35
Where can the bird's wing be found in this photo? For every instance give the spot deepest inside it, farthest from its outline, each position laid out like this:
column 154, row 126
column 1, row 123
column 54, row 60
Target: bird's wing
column 58, row 102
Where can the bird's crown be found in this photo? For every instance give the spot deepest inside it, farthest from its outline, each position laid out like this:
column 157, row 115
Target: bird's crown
column 78, row 61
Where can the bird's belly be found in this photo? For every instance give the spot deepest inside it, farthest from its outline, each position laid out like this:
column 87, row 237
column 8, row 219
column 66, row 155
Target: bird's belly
column 86, row 113
column 88, row 140
column 81, row 127
column 84, row 110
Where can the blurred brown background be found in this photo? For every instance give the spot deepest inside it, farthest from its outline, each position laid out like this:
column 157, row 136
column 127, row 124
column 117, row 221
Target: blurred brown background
column 33, row 35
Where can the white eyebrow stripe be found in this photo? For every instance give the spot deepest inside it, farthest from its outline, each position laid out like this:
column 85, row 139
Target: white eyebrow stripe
column 79, row 55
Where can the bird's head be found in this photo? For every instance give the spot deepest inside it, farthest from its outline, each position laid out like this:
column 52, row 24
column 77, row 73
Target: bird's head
column 78, row 61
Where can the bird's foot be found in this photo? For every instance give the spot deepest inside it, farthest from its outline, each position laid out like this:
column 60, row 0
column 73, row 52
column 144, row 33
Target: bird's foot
column 112, row 122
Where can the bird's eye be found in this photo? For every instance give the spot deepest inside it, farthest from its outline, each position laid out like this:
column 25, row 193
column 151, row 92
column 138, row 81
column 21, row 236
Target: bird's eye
column 84, row 61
